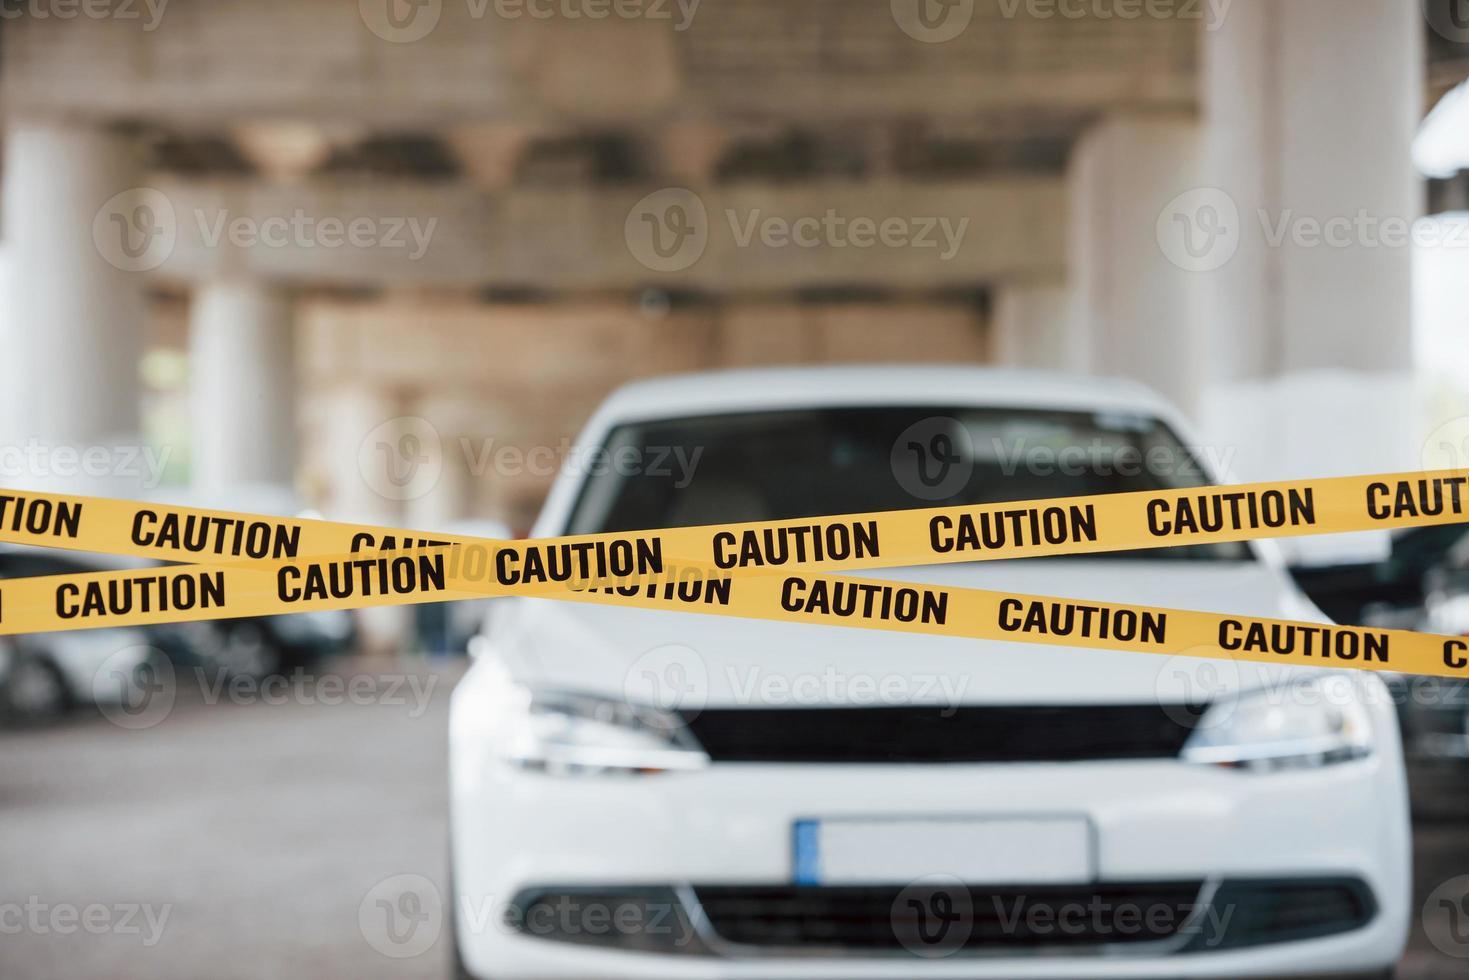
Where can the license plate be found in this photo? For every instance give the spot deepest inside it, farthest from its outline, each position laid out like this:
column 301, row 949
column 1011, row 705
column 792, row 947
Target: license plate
column 977, row 850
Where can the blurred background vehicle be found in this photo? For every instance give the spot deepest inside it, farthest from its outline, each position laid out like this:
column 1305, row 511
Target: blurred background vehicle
column 49, row 673
column 44, row 675
column 1389, row 591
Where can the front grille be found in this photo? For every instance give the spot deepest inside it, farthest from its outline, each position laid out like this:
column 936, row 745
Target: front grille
column 878, row 919
column 967, row 733
column 1184, row 918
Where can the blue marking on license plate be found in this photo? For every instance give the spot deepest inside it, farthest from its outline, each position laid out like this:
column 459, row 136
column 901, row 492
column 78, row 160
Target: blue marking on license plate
column 807, row 837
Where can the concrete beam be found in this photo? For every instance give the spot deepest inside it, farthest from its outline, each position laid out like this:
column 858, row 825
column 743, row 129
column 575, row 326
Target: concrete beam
column 201, row 62
column 729, row 239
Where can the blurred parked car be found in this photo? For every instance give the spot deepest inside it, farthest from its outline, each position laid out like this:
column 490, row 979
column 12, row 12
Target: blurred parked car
column 258, row 646
column 1387, row 593
column 42, row 675
column 1435, row 710
column 661, row 794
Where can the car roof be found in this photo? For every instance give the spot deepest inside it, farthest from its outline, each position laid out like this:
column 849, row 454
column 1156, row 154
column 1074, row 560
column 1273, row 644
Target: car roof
column 835, row 386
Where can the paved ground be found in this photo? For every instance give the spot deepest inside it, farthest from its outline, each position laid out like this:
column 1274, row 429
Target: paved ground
column 262, row 825
column 260, row 829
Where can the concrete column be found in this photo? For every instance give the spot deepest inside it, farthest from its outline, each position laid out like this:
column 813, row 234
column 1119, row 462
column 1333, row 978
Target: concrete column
column 1134, row 301
column 451, row 421
column 74, row 301
column 1034, row 326
column 1310, row 109
column 242, row 386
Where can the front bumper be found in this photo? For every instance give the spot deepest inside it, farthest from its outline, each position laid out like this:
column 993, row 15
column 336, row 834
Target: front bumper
column 1156, row 822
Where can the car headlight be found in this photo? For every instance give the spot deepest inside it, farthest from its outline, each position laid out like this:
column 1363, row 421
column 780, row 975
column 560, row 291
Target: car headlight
column 574, row 734
column 1303, row 724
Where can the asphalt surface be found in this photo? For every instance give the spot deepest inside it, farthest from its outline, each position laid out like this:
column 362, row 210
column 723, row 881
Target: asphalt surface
column 245, row 838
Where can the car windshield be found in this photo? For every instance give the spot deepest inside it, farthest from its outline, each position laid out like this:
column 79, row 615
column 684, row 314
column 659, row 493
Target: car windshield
column 756, row 466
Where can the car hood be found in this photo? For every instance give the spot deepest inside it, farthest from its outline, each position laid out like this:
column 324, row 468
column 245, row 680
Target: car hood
column 722, row 660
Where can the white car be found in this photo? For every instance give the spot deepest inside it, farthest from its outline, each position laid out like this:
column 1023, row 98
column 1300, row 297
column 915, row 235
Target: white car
column 641, row 793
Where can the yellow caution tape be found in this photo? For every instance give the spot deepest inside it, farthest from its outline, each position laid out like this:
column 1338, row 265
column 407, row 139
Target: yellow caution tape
column 250, row 565
column 264, row 587
column 1012, row 529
